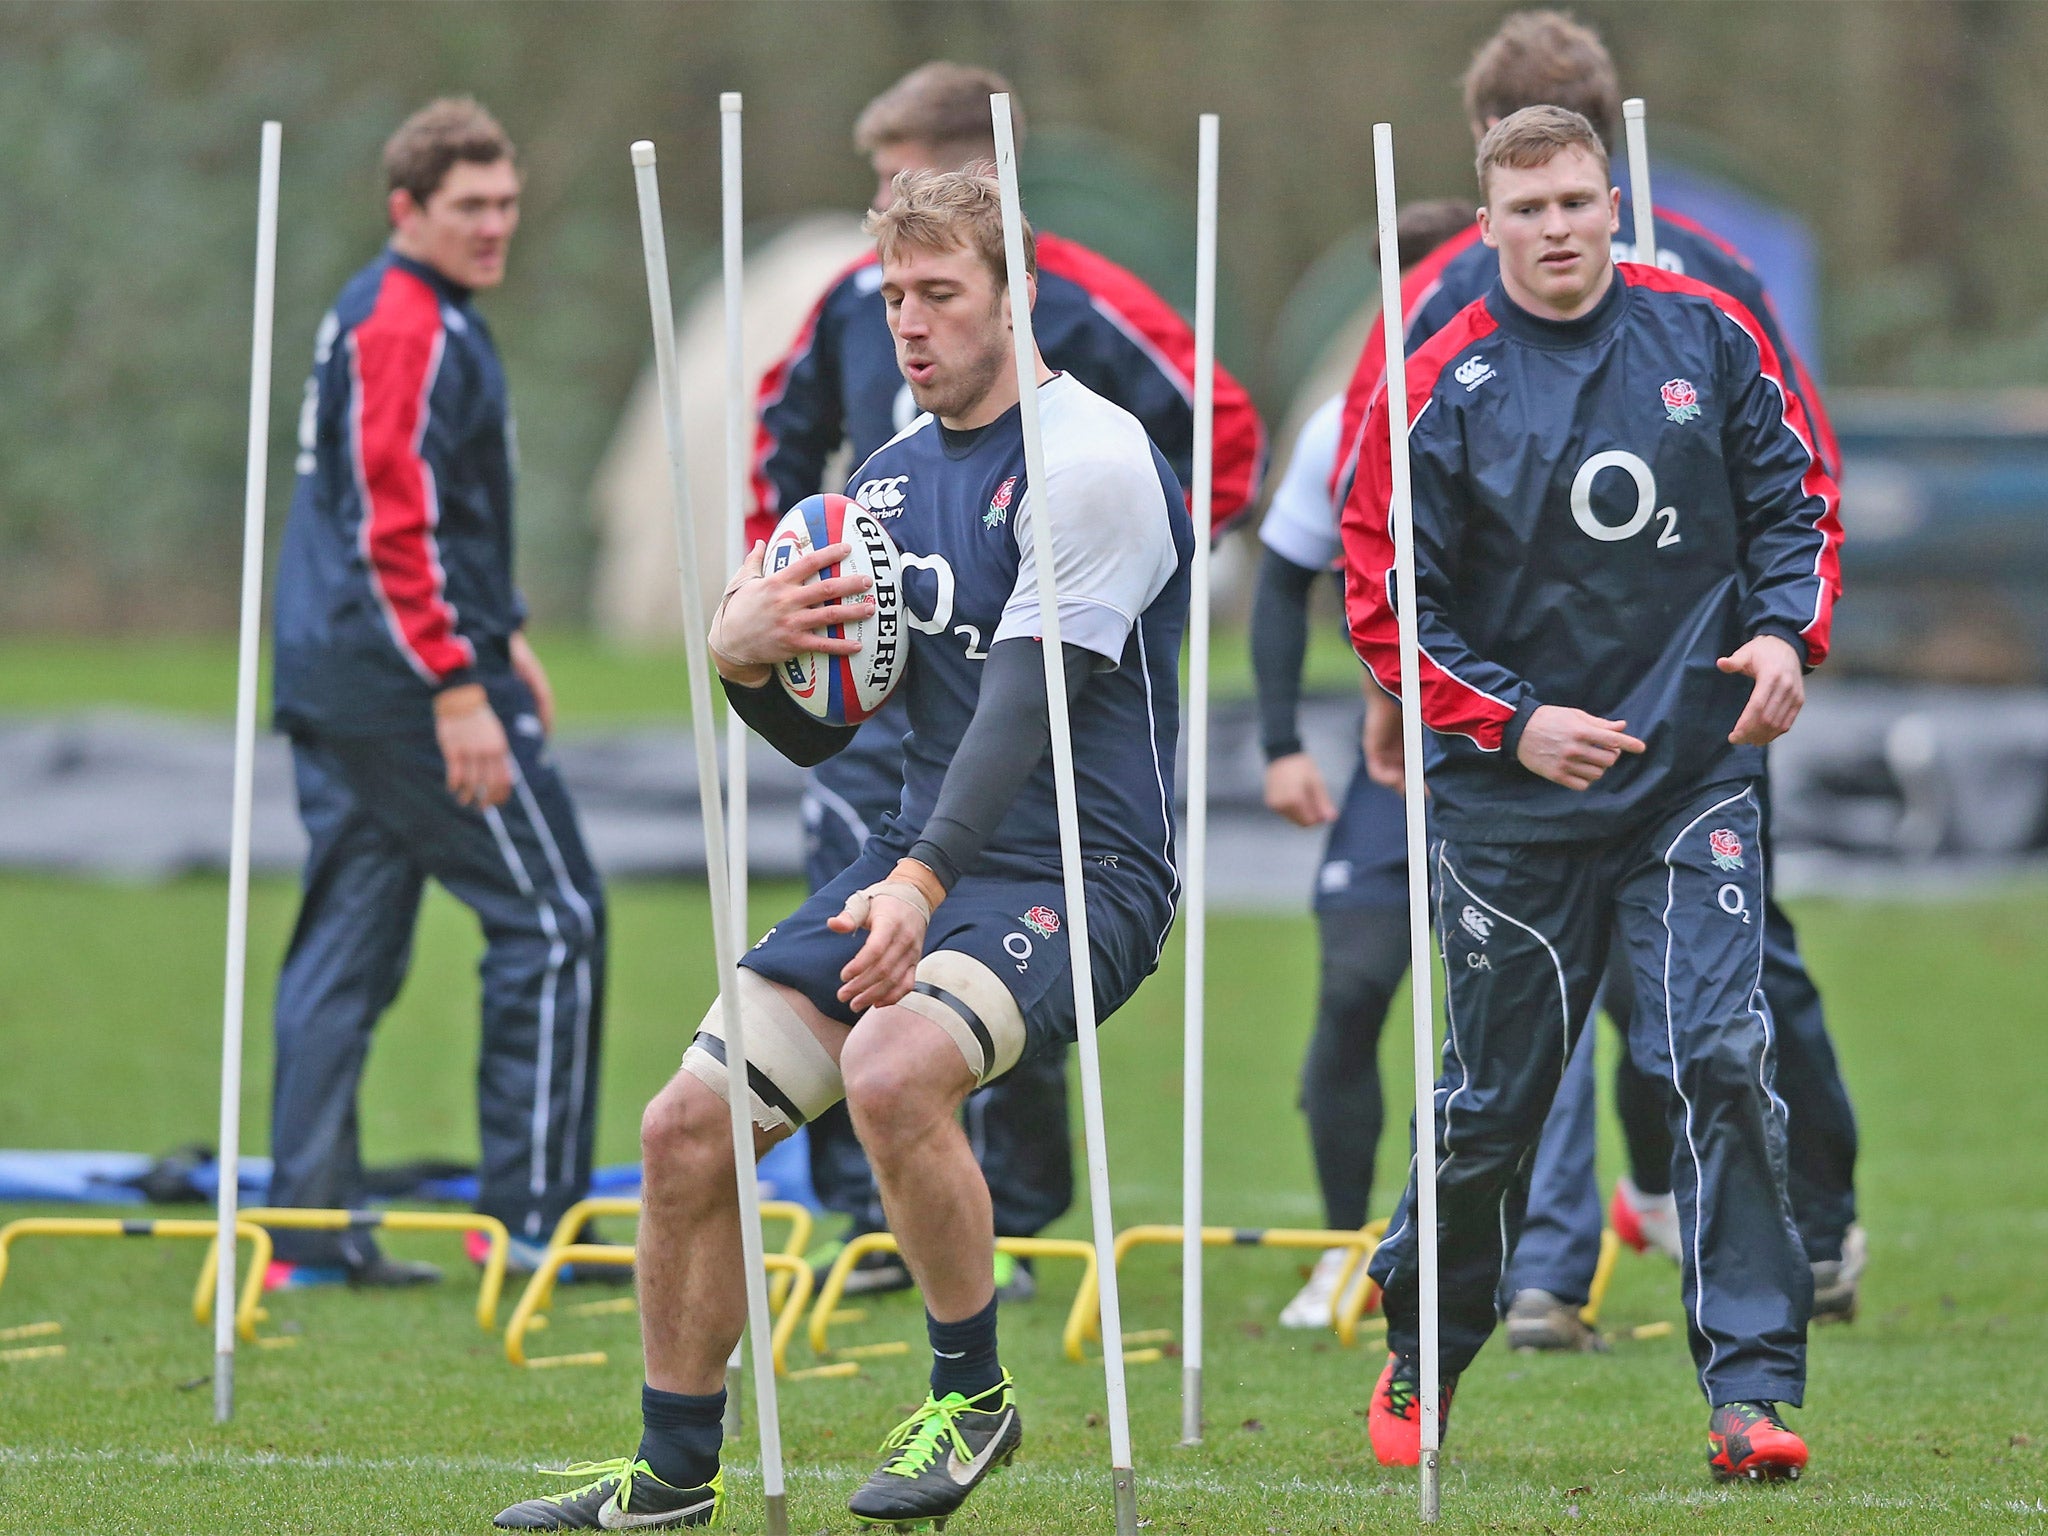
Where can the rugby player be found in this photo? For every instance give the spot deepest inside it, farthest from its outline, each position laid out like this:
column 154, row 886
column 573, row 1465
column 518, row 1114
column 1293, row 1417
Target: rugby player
column 1546, row 58
column 1626, row 557
column 419, row 719
column 938, row 959
column 839, row 386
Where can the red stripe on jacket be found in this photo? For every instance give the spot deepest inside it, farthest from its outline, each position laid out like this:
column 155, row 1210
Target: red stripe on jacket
column 1238, row 448
column 1450, row 706
column 394, row 357
column 1815, row 482
column 762, row 514
column 1418, row 286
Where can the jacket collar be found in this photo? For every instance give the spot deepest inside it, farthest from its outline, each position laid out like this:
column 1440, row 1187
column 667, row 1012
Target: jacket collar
column 1559, row 334
column 453, row 292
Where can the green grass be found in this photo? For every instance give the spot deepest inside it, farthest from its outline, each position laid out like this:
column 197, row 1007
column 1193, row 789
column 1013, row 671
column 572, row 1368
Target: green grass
column 396, row 1413
column 596, row 684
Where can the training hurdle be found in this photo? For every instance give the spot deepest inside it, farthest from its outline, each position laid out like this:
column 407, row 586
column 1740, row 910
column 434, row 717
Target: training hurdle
column 1349, row 1305
column 248, row 1311
column 310, row 1219
column 789, row 1277
column 526, row 1315
column 828, row 1311
column 1085, row 1320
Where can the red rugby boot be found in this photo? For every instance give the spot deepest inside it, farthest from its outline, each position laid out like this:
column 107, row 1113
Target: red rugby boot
column 1395, row 1421
column 1751, row 1440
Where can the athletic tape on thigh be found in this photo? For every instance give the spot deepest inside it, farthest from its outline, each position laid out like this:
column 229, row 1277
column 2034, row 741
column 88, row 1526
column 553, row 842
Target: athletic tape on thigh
column 970, row 1003
column 791, row 1076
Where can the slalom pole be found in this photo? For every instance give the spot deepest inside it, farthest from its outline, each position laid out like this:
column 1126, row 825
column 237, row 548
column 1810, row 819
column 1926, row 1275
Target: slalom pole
column 654, row 247
column 1422, row 977
column 736, row 416
column 1094, row 1135
column 230, row 1157
column 1639, row 180
column 1193, row 1049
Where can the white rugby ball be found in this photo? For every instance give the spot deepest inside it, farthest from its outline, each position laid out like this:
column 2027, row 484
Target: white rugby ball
column 845, row 690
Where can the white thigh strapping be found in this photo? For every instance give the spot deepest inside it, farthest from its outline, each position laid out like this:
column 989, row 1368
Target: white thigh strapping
column 970, row 1003
column 791, row 1077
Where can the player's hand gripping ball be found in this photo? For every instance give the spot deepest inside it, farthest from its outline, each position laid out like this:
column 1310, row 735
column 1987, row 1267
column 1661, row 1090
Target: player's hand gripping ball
column 845, row 690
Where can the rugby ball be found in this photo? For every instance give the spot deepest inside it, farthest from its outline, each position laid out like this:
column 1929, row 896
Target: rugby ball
column 845, row 690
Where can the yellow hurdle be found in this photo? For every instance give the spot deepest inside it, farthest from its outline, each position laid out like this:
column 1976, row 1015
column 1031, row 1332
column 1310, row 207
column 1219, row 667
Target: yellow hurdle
column 570, row 1228
column 310, row 1219
column 247, row 1309
column 794, row 1273
column 1085, row 1320
column 827, row 1312
column 1347, row 1306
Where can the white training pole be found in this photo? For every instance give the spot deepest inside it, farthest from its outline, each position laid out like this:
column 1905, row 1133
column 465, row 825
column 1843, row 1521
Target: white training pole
column 723, row 942
column 1639, row 180
column 1197, row 901
column 230, row 1156
column 1420, row 975
column 736, row 420
column 1095, row 1136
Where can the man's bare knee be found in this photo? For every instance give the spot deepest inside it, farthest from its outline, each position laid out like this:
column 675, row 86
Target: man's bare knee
column 685, row 1130
column 902, row 1073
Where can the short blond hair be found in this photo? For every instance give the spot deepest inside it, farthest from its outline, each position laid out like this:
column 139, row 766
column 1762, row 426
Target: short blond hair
column 1535, row 136
column 949, row 211
column 1544, row 58
column 943, row 106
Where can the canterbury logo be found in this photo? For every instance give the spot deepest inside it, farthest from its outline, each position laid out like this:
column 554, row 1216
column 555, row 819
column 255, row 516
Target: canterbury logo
column 966, row 1473
column 1473, row 372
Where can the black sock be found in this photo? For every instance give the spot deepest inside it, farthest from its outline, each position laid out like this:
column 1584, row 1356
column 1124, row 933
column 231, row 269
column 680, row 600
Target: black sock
column 680, row 1435
column 964, row 1353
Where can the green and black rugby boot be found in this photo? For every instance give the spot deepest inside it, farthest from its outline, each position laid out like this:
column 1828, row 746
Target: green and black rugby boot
column 1752, row 1440
column 938, row 1456
column 621, row 1495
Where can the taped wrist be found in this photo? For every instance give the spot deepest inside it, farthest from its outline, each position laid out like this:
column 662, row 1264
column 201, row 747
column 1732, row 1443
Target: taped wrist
column 861, row 902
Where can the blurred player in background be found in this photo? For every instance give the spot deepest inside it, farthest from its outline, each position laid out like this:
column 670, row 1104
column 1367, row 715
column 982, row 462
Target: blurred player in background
column 839, row 386
column 1546, row 58
column 1361, row 891
column 1626, row 554
column 419, row 719
column 963, row 965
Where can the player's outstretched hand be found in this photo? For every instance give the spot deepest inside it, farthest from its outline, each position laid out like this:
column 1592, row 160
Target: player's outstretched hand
column 765, row 620
column 1779, row 694
column 896, row 912
column 473, row 746
column 1571, row 747
column 1386, row 755
column 1295, row 789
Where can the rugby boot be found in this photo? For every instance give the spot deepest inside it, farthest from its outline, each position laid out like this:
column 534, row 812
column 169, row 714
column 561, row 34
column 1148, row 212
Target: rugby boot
column 1644, row 1221
column 1751, row 1440
column 1835, row 1280
column 1539, row 1320
column 621, row 1495
column 1395, row 1421
column 938, row 1456
column 1015, row 1279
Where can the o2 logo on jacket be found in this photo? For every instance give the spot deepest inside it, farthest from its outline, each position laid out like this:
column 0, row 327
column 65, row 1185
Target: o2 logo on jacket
column 1645, row 480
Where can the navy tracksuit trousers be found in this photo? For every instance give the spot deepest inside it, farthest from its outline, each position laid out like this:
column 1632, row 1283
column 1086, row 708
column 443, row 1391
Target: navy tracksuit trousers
column 382, row 821
column 1526, row 930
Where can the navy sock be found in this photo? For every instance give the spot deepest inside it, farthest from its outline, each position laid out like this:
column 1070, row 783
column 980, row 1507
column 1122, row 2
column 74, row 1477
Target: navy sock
column 964, row 1353
column 680, row 1435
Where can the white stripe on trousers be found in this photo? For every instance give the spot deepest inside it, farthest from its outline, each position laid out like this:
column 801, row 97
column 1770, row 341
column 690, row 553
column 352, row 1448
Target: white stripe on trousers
column 544, row 1050
column 579, row 1069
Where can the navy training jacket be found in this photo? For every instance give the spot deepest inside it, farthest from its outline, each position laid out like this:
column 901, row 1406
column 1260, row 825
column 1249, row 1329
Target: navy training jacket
column 1603, row 507
column 395, row 579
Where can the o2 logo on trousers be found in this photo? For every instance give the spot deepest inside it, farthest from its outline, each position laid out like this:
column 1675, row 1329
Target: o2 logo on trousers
column 1646, row 499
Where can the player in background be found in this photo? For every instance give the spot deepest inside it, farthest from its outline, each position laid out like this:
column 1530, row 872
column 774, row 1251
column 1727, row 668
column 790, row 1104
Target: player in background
column 839, row 386
column 962, row 968
column 1361, row 891
column 1546, row 58
column 419, row 717
column 1626, row 555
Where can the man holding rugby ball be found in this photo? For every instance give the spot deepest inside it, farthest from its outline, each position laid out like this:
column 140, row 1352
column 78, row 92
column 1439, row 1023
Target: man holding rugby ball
column 939, row 959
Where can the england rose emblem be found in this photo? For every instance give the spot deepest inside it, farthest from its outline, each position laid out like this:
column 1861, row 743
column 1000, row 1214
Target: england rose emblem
column 1042, row 921
column 1681, row 400
column 999, row 504
column 1726, row 848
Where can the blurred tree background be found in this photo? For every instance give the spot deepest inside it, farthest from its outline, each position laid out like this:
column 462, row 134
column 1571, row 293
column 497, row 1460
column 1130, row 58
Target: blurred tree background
column 1911, row 136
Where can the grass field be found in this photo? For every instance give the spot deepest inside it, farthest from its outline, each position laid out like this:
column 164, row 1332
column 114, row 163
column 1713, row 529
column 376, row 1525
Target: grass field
column 396, row 1413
